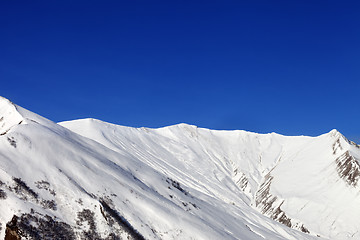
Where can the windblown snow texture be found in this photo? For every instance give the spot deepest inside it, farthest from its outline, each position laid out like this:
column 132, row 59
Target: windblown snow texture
column 87, row 179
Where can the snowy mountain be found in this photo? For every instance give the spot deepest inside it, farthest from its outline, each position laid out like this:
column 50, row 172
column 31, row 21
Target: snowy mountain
column 87, row 179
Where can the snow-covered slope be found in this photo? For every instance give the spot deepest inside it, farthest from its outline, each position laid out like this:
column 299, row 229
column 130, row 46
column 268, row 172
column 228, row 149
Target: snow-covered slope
column 87, row 179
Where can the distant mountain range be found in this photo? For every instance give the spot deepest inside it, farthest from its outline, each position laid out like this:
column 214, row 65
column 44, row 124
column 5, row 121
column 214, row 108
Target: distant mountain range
column 88, row 179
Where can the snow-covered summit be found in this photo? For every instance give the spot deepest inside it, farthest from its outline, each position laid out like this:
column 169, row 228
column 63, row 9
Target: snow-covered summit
column 12, row 115
column 95, row 180
column 9, row 116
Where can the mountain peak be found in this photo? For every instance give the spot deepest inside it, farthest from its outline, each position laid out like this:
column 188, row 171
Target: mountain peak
column 338, row 135
column 2, row 99
column 12, row 115
column 9, row 115
column 334, row 132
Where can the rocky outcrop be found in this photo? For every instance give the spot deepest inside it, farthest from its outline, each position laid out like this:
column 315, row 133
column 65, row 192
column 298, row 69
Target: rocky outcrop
column 36, row 226
column 270, row 206
column 348, row 168
column 240, row 179
column 11, row 232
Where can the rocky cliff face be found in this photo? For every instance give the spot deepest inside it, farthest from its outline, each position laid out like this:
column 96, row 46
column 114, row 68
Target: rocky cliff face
column 270, row 205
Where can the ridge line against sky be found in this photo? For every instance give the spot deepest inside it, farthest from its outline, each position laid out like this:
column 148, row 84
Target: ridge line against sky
column 280, row 66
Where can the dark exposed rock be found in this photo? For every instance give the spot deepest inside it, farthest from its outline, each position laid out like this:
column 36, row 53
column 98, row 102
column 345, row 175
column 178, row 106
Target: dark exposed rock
column 36, row 226
column 23, row 189
column 348, row 168
column 304, row 229
column 48, row 204
column 242, row 181
column 194, row 205
column 12, row 141
column 88, row 216
column 24, row 192
column 11, row 231
column 45, row 185
column 176, row 185
column 336, row 146
column 112, row 236
column 265, row 201
column 282, row 219
column 111, row 213
column 263, row 198
column 2, row 194
column 79, row 201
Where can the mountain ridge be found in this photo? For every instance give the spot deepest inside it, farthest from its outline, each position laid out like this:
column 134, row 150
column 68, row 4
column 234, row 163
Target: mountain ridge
column 98, row 180
column 332, row 131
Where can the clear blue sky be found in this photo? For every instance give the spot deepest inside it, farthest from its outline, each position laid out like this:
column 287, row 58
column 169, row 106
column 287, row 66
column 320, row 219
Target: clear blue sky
column 291, row 67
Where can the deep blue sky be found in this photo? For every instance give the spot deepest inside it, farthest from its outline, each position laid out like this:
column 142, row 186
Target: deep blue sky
column 292, row 67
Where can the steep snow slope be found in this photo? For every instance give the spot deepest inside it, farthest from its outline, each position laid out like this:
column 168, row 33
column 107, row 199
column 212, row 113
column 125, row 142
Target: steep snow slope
column 307, row 183
column 55, row 183
column 87, row 179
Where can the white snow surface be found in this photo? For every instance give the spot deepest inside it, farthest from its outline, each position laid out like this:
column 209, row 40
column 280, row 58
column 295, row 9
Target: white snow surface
column 181, row 181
